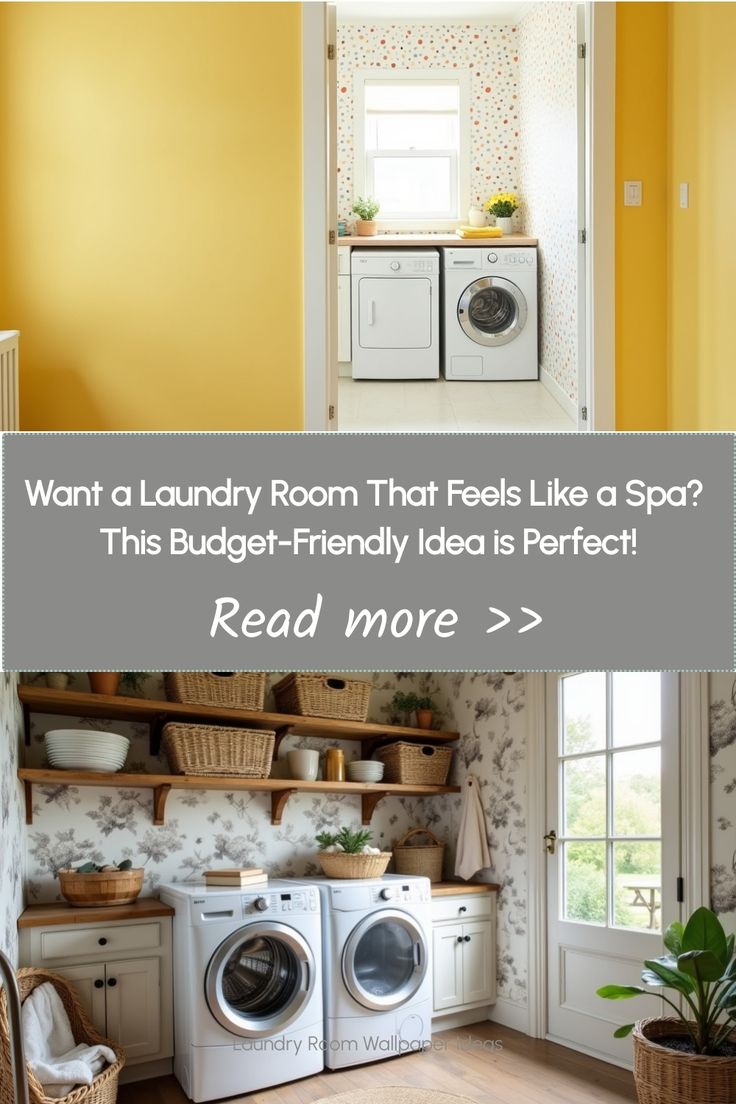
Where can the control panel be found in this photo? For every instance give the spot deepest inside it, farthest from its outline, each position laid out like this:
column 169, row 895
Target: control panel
column 397, row 892
column 296, row 900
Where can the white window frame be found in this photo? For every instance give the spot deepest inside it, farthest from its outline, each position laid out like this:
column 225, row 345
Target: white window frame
column 361, row 157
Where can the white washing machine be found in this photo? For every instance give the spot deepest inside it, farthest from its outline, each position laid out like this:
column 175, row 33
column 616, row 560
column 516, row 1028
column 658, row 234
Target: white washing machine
column 377, row 939
column 395, row 313
column 247, row 987
column 490, row 313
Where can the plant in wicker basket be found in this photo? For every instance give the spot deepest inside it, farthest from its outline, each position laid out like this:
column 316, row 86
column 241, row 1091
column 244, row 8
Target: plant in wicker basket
column 347, row 853
column 691, row 1055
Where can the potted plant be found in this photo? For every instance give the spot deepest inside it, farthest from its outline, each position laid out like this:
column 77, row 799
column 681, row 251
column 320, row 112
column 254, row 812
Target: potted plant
column 425, row 711
column 403, row 705
column 347, row 853
column 366, row 210
column 689, row 1055
column 503, row 205
column 133, row 682
column 57, row 680
column 104, row 682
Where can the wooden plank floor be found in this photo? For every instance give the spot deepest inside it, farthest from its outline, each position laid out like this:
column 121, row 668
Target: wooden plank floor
column 522, row 1071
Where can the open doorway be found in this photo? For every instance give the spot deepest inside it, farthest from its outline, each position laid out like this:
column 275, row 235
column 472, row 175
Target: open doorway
column 438, row 108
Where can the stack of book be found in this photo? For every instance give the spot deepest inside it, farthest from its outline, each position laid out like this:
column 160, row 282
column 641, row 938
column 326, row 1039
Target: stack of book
column 236, row 879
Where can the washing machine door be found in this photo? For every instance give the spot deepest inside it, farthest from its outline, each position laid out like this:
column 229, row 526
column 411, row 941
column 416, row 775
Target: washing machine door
column 385, row 960
column 492, row 311
column 259, row 979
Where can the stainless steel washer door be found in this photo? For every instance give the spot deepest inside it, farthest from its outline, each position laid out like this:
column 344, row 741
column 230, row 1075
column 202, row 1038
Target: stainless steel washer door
column 492, row 311
column 385, row 960
column 259, row 979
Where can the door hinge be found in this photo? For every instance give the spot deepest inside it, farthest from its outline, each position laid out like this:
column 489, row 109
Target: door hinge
column 582, row 51
column 331, row 238
column 331, row 52
column 331, row 413
column 680, row 890
column 584, row 414
column 583, row 237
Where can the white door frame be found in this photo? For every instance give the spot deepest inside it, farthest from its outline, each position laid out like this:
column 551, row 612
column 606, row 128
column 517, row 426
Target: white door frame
column 320, row 322
column 695, row 823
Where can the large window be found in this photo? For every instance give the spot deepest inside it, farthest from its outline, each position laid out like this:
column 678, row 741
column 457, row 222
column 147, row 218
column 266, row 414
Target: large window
column 412, row 147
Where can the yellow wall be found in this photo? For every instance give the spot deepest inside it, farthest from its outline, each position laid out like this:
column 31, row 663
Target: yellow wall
column 702, row 239
column 150, row 155
column 641, row 232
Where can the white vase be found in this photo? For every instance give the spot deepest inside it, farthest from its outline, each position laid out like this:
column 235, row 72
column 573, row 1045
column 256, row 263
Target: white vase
column 504, row 224
column 476, row 217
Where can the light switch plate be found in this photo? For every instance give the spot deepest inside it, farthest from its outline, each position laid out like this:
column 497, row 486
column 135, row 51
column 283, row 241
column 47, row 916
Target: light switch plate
column 684, row 196
column 632, row 193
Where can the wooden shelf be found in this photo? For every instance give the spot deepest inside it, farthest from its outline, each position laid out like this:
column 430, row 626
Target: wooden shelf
column 281, row 789
column 72, row 703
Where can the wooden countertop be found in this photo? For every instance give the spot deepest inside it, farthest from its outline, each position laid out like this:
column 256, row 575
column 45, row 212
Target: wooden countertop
column 421, row 241
column 36, row 916
column 456, row 889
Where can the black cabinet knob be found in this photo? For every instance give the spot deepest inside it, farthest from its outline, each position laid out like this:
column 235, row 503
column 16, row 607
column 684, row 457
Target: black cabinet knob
column 459, row 939
column 102, row 941
column 112, row 982
column 462, row 909
column 99, row 983
column 467, row 938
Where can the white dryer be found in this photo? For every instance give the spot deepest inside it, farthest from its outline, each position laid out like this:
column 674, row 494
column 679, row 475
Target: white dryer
column 395, row 313
column 377, row 968
column 490, row 313
column 247, row 987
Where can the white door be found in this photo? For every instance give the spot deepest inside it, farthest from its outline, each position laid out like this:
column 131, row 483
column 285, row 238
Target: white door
column 134, row 1005
column 613, row 859
column 447, row 966
column 477, row 963
column 394, row 314
column 89, row 985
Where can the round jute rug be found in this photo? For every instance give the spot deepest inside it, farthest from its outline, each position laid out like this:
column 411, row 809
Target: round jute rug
column 395, row 1094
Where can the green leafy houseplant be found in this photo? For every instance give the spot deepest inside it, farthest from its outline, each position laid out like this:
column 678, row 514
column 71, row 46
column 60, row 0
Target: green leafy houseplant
column 351, row 841
column 366, row 209
column 701, row 968
column 404, row 704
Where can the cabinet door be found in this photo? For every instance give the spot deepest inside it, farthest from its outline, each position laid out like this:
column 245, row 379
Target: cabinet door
column 134, row 1005
column 447, row 971
column 89, row 985
column 478, row 963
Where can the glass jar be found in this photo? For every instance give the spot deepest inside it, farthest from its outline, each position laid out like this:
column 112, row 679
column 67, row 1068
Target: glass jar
column 334, row 768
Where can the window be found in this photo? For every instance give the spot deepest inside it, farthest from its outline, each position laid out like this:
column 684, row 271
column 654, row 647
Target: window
column 412, row 150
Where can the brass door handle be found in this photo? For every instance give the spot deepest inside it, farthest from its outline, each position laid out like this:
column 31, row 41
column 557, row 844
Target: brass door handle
column 550, row 841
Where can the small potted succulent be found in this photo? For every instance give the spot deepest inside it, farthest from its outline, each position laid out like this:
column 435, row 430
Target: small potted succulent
column 366, row 210
column 503, row 205
column 690, row 1054
column 347, row 853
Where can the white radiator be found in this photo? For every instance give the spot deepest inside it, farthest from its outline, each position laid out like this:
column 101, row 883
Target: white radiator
column 8, row 380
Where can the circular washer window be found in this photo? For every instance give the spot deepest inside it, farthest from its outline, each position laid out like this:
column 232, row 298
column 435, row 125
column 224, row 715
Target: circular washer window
column 492, row 311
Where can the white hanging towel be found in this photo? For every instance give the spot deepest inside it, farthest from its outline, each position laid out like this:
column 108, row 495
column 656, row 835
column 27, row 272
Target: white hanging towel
column 472, row 843
column 55, row 1059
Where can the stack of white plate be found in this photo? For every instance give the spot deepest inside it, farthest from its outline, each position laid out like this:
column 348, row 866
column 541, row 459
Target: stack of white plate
column 86, row 749
column 365, row 770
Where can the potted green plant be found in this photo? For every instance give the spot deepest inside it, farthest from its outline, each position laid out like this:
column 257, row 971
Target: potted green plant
column 503, row 205
column 109, row 682
column 425, row 711
column 690, row 1055
column 133, row 682
column 403, row 705
column 347, row 853
column 366, row 210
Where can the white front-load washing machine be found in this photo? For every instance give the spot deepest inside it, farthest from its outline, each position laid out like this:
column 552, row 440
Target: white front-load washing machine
column 395, row 306
column 377, row 938
column 247, row 987
column 490, row 313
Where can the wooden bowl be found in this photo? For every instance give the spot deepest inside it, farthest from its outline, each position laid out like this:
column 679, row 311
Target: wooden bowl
column 107, row 888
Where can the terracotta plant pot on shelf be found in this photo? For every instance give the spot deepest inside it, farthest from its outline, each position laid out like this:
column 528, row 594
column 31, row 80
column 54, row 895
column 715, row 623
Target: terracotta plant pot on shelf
column 104, row 682
column 425, row 717
column 366, row 228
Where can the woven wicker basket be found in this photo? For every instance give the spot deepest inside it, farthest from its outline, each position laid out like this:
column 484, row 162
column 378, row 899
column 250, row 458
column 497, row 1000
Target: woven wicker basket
column 209, row 749
column 104, row 1088
column 665, row 1076
column 424, row 860
column 231, row 690
column 107, row 888
column 336, row 864
column 415, row 764
column 314, row 695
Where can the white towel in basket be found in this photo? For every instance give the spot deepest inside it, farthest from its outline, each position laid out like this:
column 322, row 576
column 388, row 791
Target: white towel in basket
column 55, row 1059
column 472, row 843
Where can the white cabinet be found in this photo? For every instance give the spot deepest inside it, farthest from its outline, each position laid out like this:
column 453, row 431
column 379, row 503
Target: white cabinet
column 121, row 971
column 463, row 953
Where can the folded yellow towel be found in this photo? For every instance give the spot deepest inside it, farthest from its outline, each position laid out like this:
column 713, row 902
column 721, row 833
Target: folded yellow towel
column 479, row 232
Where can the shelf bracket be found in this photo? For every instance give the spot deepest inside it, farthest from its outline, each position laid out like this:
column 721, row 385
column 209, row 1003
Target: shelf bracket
column 279, row 799
column 281, row 731
column 28, row 790
column 27, row 725
column 368, row 804
column 160, row 795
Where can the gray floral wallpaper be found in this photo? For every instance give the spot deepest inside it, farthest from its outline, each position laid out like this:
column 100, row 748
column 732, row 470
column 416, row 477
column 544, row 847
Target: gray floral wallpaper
column 723, row 796
column 12, row 817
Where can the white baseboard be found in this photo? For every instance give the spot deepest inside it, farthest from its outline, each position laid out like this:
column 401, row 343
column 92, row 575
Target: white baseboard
column 602, row 1057
column 143, row 1071
column 451, row 1020
column 510, row 1014
column 563, row 400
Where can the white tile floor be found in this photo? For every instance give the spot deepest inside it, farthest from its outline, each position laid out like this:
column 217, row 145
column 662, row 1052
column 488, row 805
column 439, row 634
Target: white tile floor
column 438, row 406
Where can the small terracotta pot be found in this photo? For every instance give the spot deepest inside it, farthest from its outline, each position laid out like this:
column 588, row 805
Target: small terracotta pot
column 104, row 682
column 425, row 718
column 366, row 228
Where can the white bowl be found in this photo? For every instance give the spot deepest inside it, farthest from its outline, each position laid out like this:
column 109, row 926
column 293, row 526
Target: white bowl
column 89, row 737
column 86, row 749
column 365, row 770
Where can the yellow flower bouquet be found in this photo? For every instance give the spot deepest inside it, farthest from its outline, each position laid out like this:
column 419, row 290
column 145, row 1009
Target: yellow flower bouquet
column 503, row 204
